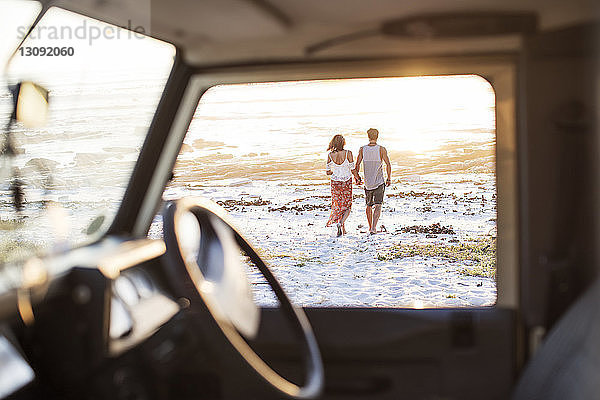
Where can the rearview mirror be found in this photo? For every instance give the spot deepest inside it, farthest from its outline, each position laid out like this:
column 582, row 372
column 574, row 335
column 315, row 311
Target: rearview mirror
column 30, row 104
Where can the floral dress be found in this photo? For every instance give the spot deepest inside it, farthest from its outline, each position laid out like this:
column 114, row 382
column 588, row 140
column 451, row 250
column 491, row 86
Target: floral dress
column 341, row 189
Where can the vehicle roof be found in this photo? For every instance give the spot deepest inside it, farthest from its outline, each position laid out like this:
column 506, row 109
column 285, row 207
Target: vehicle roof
column 220, row 32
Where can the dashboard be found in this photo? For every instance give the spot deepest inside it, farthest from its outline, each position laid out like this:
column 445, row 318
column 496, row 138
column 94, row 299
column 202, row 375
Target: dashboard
column 86, row 314
column 15, row 372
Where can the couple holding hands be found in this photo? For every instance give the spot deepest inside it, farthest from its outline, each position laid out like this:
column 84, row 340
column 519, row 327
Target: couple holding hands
column 341, row 168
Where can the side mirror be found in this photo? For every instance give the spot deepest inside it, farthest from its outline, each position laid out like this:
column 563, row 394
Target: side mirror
column 30, row 104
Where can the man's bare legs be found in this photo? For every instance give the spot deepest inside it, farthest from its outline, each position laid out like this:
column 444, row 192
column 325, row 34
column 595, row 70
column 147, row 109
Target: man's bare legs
column 370, row 218
column 376, row 215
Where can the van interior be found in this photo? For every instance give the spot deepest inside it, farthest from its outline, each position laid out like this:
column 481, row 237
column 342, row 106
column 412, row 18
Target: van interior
column 193, row 331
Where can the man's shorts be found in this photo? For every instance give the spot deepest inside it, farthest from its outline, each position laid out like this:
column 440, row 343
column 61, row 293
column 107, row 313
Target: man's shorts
column 375, row 196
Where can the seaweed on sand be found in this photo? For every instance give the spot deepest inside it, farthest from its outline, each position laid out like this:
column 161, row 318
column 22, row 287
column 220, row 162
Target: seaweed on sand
column 477, row 254
column 15, row 251
column 234, row 204
column 435, row 229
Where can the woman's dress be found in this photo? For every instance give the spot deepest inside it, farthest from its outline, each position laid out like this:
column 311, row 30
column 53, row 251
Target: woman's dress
column 341, row 189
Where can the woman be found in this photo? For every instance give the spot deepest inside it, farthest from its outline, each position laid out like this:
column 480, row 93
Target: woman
column 340, row 166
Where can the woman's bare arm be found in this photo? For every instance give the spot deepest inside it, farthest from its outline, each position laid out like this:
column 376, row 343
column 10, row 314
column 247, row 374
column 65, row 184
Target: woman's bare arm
column 356, row 169
column 327, row 170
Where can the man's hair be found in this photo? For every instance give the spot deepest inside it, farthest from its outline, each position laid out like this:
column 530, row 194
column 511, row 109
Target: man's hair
column 373, row 134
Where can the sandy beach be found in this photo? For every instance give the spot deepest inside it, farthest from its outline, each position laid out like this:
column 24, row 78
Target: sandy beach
column 437, row 248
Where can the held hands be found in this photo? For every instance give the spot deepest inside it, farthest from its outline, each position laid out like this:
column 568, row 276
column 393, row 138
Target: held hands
column 358, row 180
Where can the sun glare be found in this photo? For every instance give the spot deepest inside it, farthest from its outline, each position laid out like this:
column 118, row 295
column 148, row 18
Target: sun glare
column 293, row 121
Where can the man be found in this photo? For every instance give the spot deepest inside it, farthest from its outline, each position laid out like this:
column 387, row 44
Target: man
column 372, row 156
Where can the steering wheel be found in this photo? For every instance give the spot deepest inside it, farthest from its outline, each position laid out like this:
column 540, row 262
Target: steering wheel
column 203, row 245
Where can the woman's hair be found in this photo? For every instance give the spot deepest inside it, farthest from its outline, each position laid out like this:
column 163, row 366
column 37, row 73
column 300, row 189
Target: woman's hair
column 337, row 143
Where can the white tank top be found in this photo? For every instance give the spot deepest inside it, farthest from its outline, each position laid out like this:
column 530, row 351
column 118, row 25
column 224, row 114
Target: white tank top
column 341, row 172
column 373, row 167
